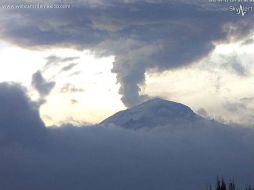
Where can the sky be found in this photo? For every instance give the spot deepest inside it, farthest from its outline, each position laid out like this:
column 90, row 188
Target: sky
column 86, row 90
column 105, row 56
column 66, row 65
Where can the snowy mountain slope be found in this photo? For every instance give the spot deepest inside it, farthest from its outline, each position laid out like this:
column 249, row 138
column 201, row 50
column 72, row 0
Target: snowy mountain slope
column 156, row 113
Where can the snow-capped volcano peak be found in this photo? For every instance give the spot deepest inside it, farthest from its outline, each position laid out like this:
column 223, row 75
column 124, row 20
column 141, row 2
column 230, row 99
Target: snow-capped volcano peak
column 153, row 113
column 161, row 105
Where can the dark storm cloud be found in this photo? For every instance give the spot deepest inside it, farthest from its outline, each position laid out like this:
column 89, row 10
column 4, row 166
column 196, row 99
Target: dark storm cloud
column 41, row 85
column 140, row 34
column 97, row 158
column 19, row 117
column 101, row 158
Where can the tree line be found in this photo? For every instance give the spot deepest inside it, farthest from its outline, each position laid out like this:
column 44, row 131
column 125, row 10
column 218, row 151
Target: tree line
column 222, row 185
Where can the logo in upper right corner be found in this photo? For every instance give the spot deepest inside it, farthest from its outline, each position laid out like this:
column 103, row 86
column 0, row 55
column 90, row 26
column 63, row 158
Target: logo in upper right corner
column 241, row 10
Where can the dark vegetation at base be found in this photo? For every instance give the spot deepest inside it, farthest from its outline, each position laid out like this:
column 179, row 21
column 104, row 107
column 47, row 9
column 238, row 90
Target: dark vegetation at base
column 222, row 185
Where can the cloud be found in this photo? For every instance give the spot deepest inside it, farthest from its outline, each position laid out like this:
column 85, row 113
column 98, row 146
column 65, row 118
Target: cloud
column 247, row 100
column 70, row 88
column 75, row 73
column 74, row 101
column 239, row 68
column 142, row 35
column 235, row 107
column 203, row 113
column 234, row 64
column 247, row 42
column 53, row 61
column 68, row 67
column 98, row 158
column 240, row 111
column 109, row 158
column 41, row 85
column 19, row 117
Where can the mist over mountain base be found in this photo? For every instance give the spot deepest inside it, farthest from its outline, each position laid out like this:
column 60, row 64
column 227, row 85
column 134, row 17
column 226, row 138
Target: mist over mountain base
column 121, row 157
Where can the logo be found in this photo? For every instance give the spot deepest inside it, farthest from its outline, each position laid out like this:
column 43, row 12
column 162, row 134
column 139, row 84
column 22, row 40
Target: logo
column 241, row 10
